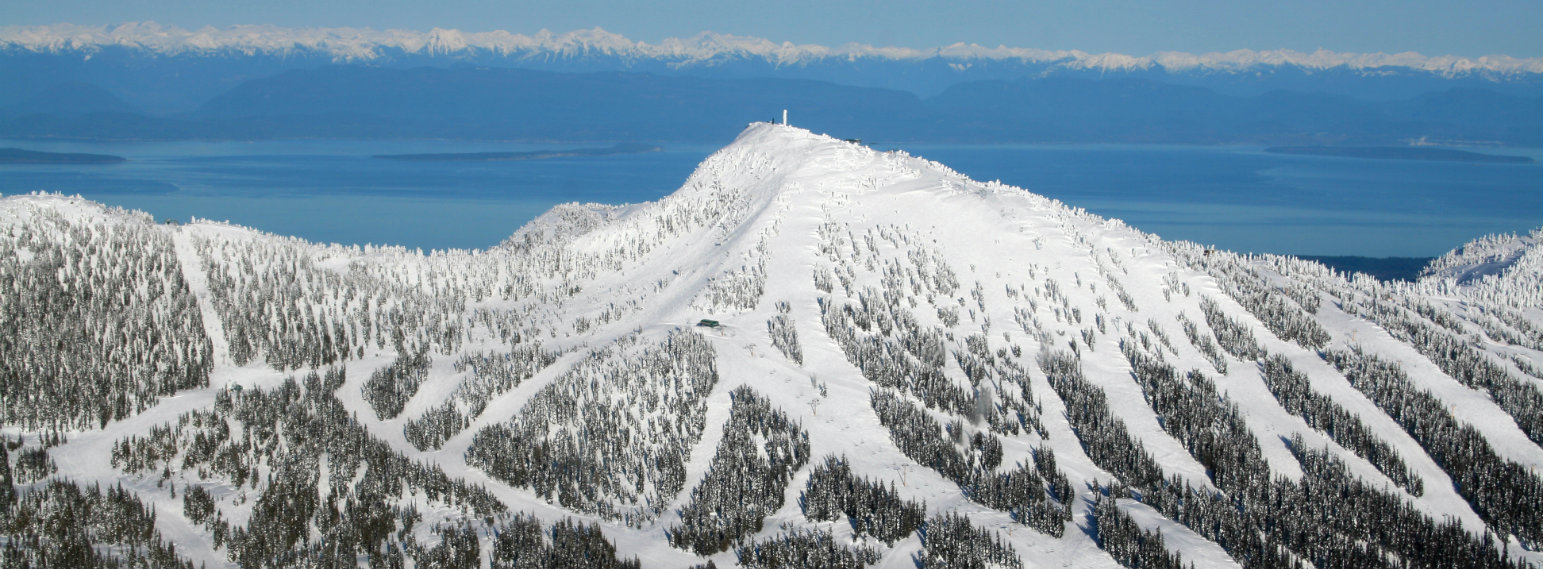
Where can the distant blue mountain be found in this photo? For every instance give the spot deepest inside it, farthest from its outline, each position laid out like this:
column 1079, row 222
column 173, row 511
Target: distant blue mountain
column 65, row 99
column 147, row 81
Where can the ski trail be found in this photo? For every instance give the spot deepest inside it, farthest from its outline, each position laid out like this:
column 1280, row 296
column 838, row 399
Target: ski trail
column 198, row 284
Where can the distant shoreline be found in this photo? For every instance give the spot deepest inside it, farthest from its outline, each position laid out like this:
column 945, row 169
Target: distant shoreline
column 1385, row 268
column 1399, row 153
column 620, row 148
column 20, row 156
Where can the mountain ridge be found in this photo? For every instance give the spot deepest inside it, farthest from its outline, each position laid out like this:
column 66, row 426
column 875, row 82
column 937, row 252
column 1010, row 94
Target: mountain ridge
column 706, row 48
column 531, row 104
column 139, row 81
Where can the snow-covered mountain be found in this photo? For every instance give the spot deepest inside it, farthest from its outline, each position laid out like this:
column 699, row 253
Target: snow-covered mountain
column 706, row 49
column 812, row 354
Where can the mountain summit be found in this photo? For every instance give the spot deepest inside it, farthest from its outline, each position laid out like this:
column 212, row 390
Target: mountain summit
column 813, row 354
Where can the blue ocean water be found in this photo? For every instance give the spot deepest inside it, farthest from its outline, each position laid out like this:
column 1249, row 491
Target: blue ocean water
column 1245, row 199
column 336, row 191
column 1235, row 198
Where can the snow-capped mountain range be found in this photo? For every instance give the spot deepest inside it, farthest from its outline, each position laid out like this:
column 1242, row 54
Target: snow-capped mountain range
column 812, row 354
column 144, row 81
column 705, row 49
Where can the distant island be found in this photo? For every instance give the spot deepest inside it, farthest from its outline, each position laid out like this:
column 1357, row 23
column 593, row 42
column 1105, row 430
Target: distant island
column 621, row 148
column 1398, row 153
column 19, row 156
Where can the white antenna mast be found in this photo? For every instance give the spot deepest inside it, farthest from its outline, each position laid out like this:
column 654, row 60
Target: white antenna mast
column 784, row 116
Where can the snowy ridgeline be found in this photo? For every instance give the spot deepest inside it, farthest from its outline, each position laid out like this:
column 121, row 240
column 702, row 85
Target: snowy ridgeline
column 703, row 50
column 907, row 368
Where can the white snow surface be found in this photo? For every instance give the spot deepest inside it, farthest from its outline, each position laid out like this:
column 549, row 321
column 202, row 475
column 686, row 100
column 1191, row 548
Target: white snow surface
column 762, row 202
column 706, row 48
column 1486, row 256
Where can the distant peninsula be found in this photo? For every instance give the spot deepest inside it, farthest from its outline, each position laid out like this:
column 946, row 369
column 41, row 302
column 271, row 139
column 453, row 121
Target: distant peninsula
column 622, row 148
column 1398, row 153
column 19, row 156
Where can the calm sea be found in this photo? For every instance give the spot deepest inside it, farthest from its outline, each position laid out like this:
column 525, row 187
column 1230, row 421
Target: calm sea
column 1236, row 198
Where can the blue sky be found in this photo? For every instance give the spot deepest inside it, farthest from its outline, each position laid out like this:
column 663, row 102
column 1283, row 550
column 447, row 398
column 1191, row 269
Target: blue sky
column 1431, row 27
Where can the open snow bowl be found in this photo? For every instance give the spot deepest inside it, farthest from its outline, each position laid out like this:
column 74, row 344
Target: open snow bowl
column 950, row 372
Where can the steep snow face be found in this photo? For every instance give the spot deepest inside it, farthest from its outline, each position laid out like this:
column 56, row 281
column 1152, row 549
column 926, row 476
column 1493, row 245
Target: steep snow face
column 1494, row 270
column 1491, row 259
column 1488, row 255
column 812, row 354
column 705, row 49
